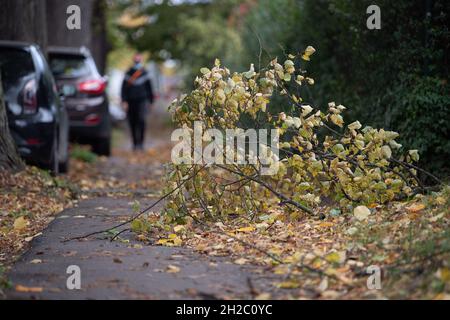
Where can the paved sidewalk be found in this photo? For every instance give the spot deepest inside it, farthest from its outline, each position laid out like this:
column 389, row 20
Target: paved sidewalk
column 118, row 270
column 121, row 269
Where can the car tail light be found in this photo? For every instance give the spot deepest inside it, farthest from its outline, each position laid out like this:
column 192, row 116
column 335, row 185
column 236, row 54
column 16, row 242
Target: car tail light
column 96, row 86
column 33, row 141
column 29, row 95
column 92, row 119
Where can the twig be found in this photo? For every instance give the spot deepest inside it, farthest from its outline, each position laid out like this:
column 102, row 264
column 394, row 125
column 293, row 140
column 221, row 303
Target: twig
column 119, row 233
column 140, row 213
column 411, row 166
column 281, row 196
column 422, row 259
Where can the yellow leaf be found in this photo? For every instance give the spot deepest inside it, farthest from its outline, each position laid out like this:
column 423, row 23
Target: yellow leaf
column 179, row 228
column 308, row 52
column 440, row 200
column 337, row 119
column 305, row 57
column 444, row 274
column 326, row 224
column 246, row 229
column 442, row 296
column 173, row 240
column 416, row 207
column 162, row 241
column 336, row 257
column 20, row 224
column 177, row 242
column 20, row 288
column 288, row 285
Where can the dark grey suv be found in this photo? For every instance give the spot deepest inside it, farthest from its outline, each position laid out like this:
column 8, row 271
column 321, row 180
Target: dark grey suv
column 37, row 117
column 86, row 100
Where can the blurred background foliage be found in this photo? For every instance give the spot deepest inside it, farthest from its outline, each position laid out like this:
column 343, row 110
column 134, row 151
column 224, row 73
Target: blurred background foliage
column 396, row 77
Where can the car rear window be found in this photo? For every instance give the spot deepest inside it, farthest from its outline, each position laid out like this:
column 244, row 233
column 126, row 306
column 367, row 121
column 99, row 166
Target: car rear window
column 14, row 65
column 69, row 65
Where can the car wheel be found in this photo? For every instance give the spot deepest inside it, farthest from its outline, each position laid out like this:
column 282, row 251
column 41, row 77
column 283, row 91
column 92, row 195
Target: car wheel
column 54, row 161
column 64, row 166
column 64, row 157
column 102, row 146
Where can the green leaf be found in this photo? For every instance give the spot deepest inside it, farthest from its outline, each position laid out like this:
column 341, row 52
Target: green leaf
column 205, row 70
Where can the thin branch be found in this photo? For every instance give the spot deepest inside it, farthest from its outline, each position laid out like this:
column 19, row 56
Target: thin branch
column 281, row 196
column 119, row 233
column 411, row 166
column 140, row 213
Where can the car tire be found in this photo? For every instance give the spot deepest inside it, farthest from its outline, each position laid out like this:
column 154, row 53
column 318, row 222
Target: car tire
column 54, row 162
column 102, row 146
column 64, row 166
column 64, row 156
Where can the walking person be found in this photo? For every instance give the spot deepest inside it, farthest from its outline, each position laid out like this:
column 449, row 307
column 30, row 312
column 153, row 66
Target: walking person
column 137, row 97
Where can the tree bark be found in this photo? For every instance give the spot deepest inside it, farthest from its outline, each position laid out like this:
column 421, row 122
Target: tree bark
column 93, row 27
column 99, row 42
column 9, row 158
column 58, row 34
column 24, row 20
column 20, row 20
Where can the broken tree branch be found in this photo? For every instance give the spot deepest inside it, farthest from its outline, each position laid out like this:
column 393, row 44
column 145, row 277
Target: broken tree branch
column 281, row 196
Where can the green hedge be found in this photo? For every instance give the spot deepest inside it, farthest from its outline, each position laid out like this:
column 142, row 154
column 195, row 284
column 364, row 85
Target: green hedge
column 396, row 77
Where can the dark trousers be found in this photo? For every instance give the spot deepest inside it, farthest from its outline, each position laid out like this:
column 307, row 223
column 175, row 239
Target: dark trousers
column 137, row 112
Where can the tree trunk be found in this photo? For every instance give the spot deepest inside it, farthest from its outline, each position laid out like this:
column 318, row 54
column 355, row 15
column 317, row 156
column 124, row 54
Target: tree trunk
column 9, row 158
column 20, row 20
column 93, row 27
column 58, row 34
column 99, row 41
column 24, row 20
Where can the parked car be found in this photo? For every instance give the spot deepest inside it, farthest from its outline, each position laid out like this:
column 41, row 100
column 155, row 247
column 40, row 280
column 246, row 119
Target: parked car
column 84, row 89
column 37, row 116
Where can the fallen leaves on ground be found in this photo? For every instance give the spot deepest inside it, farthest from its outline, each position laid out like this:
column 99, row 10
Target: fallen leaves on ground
column 328, row 259
column 30, row 199
column 126, row 173
column 28, row 202
column 308, row 257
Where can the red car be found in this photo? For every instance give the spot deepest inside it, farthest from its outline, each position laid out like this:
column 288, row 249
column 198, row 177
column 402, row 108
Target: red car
column 86, row 100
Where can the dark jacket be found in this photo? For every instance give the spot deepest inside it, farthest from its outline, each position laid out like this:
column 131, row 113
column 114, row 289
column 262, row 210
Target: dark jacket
column 137, row 86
